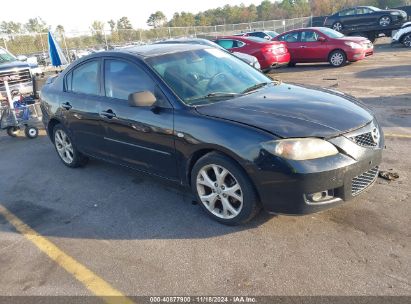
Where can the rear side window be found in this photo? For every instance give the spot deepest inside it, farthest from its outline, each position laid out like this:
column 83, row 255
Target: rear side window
column 85, row 78
column 290, row 37
column 227, row 44
column 123, row 78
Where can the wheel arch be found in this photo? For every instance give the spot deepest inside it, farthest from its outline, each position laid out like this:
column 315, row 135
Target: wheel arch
column 196, row 155
column 50, row 126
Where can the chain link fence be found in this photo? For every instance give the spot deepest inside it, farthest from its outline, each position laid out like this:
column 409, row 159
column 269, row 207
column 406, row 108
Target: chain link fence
column 35, row 44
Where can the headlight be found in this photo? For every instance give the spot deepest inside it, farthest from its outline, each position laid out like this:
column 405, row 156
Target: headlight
column 353, row 45
column 300, row 148
column 395, row 13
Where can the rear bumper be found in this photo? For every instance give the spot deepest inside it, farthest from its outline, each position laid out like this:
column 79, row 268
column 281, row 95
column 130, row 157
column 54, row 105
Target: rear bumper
column 22, row 88
column 274, row 61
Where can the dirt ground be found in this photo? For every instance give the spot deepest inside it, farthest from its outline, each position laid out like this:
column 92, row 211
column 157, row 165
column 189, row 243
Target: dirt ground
column 145, row 237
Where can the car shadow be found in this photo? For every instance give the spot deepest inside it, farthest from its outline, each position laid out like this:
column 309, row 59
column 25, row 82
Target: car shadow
column 101, row 201
column 395, row 71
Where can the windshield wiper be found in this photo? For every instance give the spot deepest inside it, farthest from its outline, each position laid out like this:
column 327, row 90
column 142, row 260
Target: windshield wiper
column 256, row 86
column 215, row 95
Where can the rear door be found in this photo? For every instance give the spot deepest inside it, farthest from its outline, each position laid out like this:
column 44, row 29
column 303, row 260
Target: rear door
column 293, row 44
column 81, row 104
column 139, row 137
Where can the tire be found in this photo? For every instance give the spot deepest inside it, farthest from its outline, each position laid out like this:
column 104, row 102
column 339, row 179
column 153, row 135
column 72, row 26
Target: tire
column 65, row 148
column 31, row 132
column 406, row 40
column 337, row 58
column 291, row 64
column 384, row 21
column 235, row 200
column 13, row 131
column 337, row 26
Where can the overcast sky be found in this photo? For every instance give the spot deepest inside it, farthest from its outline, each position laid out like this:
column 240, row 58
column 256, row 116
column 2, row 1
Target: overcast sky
column 79, row 14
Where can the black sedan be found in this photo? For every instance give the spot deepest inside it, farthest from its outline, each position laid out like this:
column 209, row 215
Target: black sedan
column 200, row 117
column 364, row 16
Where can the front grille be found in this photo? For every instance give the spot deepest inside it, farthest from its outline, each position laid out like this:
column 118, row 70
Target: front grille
column 15, row 76
column 364, row 140
column 363, row 181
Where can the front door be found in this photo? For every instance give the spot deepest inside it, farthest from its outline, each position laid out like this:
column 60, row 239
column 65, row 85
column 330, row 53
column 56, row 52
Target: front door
column 311, row 49
column 80, row 107
column 139, row 137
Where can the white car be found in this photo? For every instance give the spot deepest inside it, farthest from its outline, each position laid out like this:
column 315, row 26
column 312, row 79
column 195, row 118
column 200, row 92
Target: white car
column 403, row 35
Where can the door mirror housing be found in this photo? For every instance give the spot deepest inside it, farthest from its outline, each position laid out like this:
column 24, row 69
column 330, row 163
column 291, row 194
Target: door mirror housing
column 322, row 39
column 142, row 99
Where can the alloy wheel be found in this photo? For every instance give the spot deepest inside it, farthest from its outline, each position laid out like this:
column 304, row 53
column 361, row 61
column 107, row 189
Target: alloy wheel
column 407, row 41
column 337, row 27
column 219, row 191
column 337, row 59
column 385, row 20
column 64, row 146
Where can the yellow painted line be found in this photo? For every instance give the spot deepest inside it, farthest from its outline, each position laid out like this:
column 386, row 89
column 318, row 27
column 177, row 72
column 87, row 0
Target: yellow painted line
column 89, row 279
column 397, row 135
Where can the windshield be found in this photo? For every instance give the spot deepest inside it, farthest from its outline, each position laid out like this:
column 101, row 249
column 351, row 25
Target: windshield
column 330, row 33
column 206, row 75
column 272, row 33
column 6, row 56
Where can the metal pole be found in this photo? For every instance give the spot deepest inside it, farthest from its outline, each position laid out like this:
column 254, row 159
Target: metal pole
column 5, row 43
column 65, row 44
column 105, row 39
column 169, row 33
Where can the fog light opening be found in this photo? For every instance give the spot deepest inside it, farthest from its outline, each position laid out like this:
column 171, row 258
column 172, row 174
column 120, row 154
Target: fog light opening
column 318, row 197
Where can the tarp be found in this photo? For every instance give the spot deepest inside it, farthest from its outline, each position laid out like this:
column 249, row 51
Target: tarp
column 57, row 57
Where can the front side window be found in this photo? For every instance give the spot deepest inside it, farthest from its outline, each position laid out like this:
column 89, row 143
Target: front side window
column 122, row 78
column 198, row 76
column 85, row 78
column 348, row 12
column 330, row 32
column 309, row 36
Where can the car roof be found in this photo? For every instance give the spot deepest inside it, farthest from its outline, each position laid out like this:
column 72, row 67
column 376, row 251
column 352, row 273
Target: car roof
column 153, row 50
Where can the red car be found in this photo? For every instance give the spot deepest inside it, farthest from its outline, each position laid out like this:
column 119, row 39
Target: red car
column 321, row 44
column 270, row 54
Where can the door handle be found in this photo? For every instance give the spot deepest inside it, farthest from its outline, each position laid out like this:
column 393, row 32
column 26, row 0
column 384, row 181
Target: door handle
column 108, row 114
column 303, row 47
column 66, row 105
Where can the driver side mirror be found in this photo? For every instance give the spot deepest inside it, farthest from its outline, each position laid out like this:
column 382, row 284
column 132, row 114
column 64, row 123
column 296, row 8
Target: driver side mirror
column 141, row 99
column 322, row 39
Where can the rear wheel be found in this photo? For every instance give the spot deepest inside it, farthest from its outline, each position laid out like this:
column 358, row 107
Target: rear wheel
column 224, row 190
column 384, row 21
column 337, row 58
column 406, row 41
column 337, row 26
column 13, row 131
column 65, row 148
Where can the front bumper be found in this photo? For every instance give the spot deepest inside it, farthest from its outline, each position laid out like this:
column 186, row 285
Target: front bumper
column 285, row 186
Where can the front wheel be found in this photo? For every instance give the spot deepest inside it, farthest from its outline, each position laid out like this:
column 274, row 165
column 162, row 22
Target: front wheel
column 224, row 190
column 385, row 21
column 65, row 148
column 337, row 58
column 406, row 41
column 31, row 132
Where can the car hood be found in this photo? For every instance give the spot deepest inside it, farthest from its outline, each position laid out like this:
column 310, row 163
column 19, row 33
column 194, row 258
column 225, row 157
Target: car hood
column 13, row 64
column 293, row 111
